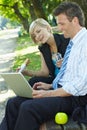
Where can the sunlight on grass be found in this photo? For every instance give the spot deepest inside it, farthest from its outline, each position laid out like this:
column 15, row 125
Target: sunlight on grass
column 27, row 50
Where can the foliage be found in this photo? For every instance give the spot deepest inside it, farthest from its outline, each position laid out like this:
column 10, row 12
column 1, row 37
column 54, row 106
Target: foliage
column 24, row 11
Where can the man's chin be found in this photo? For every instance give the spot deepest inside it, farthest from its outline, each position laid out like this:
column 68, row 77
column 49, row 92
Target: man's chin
column 66, row 36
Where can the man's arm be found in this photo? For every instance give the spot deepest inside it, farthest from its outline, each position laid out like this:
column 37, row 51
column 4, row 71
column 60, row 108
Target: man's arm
column 50, row 93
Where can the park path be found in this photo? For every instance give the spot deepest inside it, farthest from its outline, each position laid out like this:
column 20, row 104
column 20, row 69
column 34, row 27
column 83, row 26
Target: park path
column 7, row 54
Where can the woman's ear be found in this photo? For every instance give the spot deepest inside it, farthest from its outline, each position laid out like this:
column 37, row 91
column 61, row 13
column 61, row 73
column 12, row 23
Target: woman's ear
column 49, row 29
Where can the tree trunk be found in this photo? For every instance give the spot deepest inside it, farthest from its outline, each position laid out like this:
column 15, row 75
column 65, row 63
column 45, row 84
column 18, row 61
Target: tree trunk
column 24, row 20
column 27, row 4
column 38, row 9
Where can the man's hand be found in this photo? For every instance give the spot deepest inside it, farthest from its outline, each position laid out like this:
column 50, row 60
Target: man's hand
column 41, row 85
column 60, row 92
column 41, row 93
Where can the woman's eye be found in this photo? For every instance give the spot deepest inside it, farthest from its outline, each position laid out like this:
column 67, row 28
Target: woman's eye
column 38, row 31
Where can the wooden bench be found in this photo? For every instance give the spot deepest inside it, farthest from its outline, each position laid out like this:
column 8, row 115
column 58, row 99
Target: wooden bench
column 70, row 125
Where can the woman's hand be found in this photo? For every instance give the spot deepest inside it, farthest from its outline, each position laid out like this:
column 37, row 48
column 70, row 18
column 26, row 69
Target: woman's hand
column 18, row 69
column 24, row 72
column 41, row 85
column 59, row 62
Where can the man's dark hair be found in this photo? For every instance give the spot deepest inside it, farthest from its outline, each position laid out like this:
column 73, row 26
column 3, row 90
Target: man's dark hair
column 71, row 10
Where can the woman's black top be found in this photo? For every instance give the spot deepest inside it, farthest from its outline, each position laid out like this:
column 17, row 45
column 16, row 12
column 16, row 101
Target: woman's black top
column 61, row 43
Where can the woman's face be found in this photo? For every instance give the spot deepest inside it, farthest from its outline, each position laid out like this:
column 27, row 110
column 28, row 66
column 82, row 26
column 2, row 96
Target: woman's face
column 41, row 34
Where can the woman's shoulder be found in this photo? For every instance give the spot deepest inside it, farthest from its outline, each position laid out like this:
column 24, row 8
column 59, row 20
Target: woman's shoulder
column 43, row 46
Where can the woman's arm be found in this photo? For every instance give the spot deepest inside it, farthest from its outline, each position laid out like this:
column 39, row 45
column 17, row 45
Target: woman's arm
column 42, row 72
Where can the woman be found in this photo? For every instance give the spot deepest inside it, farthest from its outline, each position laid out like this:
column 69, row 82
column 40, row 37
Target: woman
column 52, row 47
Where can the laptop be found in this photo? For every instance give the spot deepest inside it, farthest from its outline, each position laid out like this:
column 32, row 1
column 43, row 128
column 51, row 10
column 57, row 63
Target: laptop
column 18, row 83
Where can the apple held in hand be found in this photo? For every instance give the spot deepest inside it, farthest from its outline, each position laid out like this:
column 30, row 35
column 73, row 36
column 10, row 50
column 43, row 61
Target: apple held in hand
column 61, row 118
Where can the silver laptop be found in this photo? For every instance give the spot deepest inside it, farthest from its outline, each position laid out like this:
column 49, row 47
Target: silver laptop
column 18, row 83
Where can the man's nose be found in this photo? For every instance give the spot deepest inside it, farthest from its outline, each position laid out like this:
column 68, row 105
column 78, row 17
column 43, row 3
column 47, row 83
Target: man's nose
column 60, row 28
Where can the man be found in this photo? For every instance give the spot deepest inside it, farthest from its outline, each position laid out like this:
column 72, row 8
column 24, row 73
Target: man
column 70, row 85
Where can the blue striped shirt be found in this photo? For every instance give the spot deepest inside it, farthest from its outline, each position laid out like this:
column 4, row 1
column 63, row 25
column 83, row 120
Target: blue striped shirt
column 74, row 80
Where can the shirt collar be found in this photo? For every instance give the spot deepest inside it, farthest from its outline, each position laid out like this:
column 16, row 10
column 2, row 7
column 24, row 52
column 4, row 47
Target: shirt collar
column 79, row 35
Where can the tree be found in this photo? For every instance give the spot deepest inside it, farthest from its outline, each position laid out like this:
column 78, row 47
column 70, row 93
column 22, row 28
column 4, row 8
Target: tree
column 24, row 11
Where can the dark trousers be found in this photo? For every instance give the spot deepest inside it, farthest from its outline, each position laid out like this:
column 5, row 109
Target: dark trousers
column 41, row 79
column 29, row 114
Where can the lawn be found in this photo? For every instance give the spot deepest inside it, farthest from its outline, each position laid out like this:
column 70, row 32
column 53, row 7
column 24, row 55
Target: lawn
column 27, row 49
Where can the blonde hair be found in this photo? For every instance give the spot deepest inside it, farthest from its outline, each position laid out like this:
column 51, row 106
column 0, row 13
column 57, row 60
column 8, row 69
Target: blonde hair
column 41, row 22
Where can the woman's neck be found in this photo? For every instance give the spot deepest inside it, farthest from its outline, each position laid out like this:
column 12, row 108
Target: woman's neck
column 51, row 42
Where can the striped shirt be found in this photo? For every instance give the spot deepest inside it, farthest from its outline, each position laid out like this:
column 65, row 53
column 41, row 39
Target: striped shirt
column 74, row 80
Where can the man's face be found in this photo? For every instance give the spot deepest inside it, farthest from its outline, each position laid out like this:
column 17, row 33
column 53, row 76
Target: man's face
column 65, row 26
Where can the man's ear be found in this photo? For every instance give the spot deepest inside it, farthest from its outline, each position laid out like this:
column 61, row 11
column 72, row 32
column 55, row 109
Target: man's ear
column 75, row 20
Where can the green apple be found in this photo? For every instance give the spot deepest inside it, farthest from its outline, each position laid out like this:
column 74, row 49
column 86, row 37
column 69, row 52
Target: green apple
column 61, row 118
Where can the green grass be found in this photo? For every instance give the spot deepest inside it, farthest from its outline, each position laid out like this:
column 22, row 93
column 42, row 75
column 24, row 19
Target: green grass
column 25, row 42
column 34, row 63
